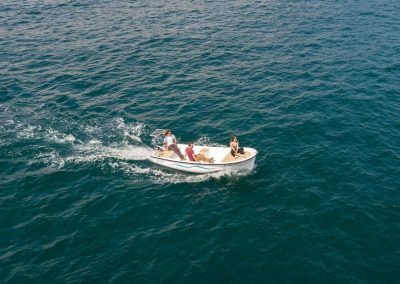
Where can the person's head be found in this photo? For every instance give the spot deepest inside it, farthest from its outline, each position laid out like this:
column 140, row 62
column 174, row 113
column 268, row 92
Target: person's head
column 190, row 145
column 233, row 138
column 167, row 132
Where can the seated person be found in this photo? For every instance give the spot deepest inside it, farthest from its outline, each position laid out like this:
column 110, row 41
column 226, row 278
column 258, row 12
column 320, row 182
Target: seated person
column 196, row 158
column 235, row 150
column 190, row 153
column 170, row 144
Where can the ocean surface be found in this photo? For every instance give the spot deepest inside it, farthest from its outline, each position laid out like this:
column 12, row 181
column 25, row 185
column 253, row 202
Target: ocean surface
column 314, row 86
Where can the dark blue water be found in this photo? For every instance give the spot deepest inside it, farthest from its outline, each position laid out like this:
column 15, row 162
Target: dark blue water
column 313, row 85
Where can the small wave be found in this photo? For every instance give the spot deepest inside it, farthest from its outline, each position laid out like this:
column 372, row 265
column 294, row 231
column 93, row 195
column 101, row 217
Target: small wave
column 58, row 137
column 132, row 131
column 92, row 129
column 205, row 141
column 94, row 141
column 52, row 159
column 27, row 131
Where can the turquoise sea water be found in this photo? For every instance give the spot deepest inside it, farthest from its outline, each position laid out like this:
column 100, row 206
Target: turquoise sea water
column 313, row 85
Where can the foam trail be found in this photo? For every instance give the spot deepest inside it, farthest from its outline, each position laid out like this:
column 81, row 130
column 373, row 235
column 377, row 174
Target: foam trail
column 161, row 176
column 93, row 151
column 52, row 159
column 132, row 131
column 58, row 137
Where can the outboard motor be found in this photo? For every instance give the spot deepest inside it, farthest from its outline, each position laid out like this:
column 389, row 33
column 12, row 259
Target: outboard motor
column 158, row 137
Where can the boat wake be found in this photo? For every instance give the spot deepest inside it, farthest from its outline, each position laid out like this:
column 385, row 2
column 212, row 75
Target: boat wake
column 115, row 146
column 100, row 147
column 160, row 176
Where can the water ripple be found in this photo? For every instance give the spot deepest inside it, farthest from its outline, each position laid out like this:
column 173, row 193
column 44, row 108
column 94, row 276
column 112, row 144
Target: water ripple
column 312, row 85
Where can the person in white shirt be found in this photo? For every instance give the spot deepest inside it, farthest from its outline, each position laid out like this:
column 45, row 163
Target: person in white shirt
column 170, row 144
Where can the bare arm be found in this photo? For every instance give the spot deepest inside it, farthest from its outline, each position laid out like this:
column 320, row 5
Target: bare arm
column 165, row 144
column 193, row 155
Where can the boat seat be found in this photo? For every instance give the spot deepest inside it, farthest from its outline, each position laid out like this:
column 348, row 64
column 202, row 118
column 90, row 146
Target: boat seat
column 167, row 154
column 230, row 158
column 204, row 151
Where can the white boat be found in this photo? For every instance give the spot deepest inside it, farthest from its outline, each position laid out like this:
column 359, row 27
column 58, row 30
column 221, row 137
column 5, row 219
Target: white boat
column 222, row 159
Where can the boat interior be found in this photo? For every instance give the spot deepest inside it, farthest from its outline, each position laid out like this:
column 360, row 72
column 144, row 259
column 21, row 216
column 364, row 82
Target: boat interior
column 218, row 154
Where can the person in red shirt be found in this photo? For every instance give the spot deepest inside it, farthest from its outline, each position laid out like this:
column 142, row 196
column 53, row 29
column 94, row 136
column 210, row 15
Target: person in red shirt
column 196, row 158
column 190, row 153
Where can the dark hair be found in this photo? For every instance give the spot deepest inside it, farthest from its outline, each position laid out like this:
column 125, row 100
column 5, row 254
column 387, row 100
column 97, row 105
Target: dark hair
column 190, row 143
column 233, row 138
